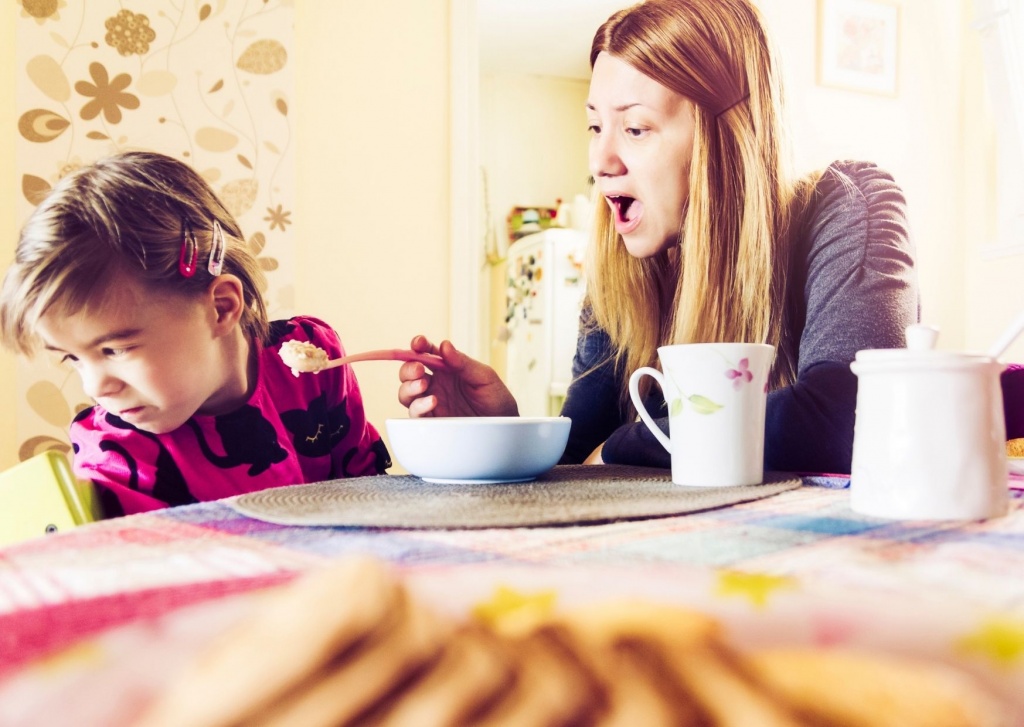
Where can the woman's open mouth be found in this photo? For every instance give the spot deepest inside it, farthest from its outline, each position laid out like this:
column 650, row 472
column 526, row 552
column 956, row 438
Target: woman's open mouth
column 627, row 212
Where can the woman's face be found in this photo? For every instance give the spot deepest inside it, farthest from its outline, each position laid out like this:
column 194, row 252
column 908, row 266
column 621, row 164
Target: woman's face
column 640, row 149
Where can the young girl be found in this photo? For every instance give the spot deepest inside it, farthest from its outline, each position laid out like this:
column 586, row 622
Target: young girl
column 137, row 275
column 702, row 236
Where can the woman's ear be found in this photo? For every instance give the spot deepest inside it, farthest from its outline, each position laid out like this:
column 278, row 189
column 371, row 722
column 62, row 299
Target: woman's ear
column 228, row 301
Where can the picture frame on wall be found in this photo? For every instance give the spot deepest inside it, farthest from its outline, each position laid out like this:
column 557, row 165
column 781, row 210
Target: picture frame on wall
column 858, row 45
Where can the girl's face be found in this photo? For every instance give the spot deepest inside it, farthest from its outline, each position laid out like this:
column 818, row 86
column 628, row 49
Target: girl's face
column 640, row 149
column 152, row 359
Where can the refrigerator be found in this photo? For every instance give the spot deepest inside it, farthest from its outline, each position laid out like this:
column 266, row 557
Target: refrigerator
column 544, row 296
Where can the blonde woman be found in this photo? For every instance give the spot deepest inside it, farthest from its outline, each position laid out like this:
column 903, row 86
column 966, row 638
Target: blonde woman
column 702, row 236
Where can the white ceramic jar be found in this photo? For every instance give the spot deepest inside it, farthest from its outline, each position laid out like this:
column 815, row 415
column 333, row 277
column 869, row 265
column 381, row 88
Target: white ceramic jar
column 930, row 436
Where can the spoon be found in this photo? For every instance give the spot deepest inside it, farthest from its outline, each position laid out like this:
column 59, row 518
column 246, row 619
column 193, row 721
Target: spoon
column 1008, row 337
column 309, row 358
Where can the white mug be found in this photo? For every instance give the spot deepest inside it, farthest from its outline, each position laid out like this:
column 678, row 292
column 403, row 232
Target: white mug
column 716, row 395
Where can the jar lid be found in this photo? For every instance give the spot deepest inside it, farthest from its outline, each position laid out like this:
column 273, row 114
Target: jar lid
column 919, row 353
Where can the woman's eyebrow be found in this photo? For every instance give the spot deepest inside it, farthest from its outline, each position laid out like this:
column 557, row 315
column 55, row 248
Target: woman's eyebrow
column 623, row 107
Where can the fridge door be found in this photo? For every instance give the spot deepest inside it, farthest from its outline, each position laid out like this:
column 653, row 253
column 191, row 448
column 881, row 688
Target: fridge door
column 546, row 289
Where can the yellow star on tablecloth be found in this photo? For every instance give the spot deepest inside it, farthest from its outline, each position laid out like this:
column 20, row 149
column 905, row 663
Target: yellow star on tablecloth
column 509, row 608
column 1000, row 639
column 756, row 587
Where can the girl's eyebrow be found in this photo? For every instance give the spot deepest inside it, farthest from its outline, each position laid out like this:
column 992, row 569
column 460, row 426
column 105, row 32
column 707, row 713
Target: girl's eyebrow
column 114, row 336
column 100, row 340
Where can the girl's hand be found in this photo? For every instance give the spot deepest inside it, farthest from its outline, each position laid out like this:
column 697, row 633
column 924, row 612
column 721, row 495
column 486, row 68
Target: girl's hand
column 467, row 388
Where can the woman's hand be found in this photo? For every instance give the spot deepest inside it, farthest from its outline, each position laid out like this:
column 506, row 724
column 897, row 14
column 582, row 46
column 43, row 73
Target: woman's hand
column 467, row 388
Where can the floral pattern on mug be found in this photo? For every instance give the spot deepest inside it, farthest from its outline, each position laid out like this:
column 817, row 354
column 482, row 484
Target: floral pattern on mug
column 740, row 374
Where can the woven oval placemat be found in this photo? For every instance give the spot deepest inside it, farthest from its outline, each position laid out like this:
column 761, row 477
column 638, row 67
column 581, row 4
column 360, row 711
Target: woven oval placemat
column 567, row 494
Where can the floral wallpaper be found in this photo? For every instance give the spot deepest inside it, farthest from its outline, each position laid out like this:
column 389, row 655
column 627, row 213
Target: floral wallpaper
column 206, row 81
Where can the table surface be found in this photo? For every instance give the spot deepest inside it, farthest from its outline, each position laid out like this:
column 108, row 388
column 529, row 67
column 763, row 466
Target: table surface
column 118, row 605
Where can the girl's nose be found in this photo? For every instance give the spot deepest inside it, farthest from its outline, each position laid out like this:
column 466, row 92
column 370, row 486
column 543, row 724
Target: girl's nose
column 604, row 157
column 97, row 382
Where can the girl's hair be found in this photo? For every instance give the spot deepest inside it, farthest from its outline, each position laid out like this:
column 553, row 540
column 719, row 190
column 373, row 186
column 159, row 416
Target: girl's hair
column 123, row 215
column 726, row 281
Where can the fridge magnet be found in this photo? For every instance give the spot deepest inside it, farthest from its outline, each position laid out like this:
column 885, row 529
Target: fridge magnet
column 523, row 286
column 858, row 45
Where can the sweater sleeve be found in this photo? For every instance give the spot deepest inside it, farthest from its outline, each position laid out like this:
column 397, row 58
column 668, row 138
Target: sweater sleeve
column 859, row 291
column 593, row 400
column 855, row 266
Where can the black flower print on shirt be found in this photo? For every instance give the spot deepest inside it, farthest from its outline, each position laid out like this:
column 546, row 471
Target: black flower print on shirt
column 316, row 430
column 247, row 438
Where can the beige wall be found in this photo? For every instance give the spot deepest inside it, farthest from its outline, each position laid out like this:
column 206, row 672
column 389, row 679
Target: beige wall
column 994, row 280
column 372, row 85
column 8, row 233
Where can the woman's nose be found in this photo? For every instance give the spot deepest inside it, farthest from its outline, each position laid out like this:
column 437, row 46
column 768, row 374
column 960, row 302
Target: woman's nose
column 604, row 157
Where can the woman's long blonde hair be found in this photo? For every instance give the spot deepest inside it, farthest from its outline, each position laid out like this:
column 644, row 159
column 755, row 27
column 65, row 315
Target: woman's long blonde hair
column 726, row 280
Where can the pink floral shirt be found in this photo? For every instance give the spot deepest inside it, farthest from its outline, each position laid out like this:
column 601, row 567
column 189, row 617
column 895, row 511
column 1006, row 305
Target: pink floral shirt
column 292, row 430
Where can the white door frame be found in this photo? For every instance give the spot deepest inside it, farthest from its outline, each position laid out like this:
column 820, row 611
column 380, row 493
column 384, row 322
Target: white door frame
column 468, row 299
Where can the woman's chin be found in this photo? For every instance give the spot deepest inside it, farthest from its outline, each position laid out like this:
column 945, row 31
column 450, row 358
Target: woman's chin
column 642, row 246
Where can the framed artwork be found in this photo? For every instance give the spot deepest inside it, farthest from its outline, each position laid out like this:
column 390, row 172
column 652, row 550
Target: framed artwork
column 858, row 45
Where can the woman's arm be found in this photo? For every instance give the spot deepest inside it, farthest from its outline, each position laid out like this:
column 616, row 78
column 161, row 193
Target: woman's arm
column 594, row 397
column 856, row 266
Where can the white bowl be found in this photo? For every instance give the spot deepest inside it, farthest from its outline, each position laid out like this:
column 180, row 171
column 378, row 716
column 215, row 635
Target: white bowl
column 478, row 449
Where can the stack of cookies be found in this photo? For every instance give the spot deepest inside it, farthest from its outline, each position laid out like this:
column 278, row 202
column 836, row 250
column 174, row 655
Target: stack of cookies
column 347, row 645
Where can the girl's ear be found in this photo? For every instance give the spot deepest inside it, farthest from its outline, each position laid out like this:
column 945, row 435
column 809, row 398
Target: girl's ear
column 228, row 300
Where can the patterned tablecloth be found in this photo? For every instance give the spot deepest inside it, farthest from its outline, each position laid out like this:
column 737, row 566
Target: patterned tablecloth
column 93, row 621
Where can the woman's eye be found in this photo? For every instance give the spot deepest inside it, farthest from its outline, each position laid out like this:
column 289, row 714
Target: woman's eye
column 594, row 129
column 635, row 132
column 114, row 352
column 68, row 358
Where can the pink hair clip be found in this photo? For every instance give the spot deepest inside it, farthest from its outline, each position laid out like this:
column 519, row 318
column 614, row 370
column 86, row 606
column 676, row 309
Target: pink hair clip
column 218, row 248
column 189, row 251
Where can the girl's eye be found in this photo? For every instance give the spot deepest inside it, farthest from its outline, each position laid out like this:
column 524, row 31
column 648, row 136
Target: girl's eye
column 115, row 352
column 594, row 129
column 635, row 132
column 68, row 358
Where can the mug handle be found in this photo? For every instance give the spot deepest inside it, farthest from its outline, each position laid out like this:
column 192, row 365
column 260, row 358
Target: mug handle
column 634, row 394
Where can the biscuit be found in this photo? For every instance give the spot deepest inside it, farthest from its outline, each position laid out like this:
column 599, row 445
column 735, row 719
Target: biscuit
column 710, row 673
column 640, row 690
column 472, row 672
column 355, row 682
column 855, row 689
column 292, row 633
column 683, row 654
column 551, row 686
column 1015, row 447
